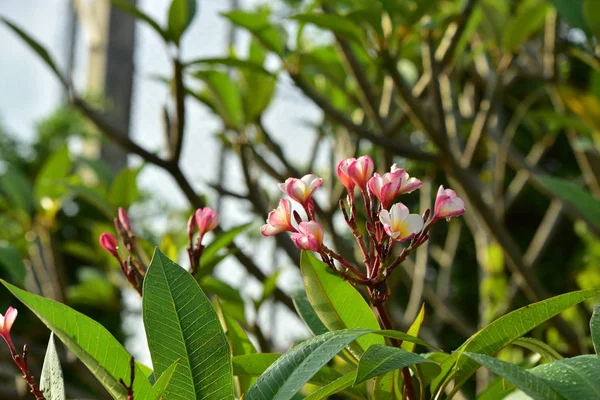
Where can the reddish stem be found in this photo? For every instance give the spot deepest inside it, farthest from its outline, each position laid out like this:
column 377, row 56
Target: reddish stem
column 22, row 364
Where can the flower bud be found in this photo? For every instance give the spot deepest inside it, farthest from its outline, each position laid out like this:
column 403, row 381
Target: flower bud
column 124, row 219
column 360, row 170
column 309, row 236
column 109, row 243
column 6, row 323
column 206, row 219
column 447, row 204
column 342, row 173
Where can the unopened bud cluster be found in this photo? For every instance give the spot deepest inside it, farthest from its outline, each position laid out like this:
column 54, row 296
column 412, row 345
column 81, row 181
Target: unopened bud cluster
column 386, row 222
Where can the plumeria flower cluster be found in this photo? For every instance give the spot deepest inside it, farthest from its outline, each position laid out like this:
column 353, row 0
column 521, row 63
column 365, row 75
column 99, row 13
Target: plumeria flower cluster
column 6, row 322
column 386, row 223
column 131, row 266
column 203, row 220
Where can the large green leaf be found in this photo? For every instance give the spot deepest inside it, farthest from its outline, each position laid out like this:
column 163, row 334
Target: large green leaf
column 181, row 324
column 88, row 340
column 290, row 372
column 181, row 14
column 338, row 24
column 124, row 189
column 529, row 383
column 307, row 314
column 576, row 197
column 574, row 378
column 37, row 47
column 337, row 303
column 379, row 359
column 270, row 35
column 51, row 381
column 504, row 331
column 595, row 328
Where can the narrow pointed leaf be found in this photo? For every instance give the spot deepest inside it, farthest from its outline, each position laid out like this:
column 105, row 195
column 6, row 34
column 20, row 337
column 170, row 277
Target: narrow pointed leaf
column 308, row 315
column 181, row 324
column 414, row 329
column 337, row 303
column 161, row 385
column 529, row 383
column 51, row 380
column 539, row 347
column 88, row 340
column 137, row 13
column 345, row 381
column 504, row 331
column 574, row 378
column 379, row 359
column 181, row 14
column 595, row 329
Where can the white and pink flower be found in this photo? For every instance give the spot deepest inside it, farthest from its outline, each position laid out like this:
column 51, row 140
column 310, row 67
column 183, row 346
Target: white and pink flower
column 207, row 219
column 6, row 323
column 342, row 173
column 399, row 224
column 360, row 171
column 447, row 204
column 279, row 220
column 301, row 189
column 309, row 236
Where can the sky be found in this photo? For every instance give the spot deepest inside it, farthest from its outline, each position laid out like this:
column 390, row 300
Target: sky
column 29, row 92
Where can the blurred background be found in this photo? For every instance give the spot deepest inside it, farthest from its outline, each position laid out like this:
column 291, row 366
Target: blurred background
column 499, row 100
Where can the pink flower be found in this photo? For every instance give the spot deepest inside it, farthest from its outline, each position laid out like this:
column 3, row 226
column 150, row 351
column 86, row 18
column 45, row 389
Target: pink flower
column 109, row 243
column 342, row 173
column 309, row 236
column 408, row 184
column 399, row 224
column 206, row 219
column 301, row 189
column 360, row 170
column 447, row 204
column 279, row 220
column 386, row 187
column 6, row 323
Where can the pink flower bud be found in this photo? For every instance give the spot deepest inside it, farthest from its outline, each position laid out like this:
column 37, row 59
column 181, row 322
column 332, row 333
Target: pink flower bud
column 279, row 220
column 399, row 224
column 360, row 170
column 342, row 173
column 206, row 219
column 6, row 323
column 301, row 189
column 447, row 204
column 408, row 184
column 109, row 243
column 191, row 227
column 124, row 219
column 309, row 236
column 386, row 187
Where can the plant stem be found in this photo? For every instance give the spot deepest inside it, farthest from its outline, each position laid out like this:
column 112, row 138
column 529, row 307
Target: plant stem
column 387, row 324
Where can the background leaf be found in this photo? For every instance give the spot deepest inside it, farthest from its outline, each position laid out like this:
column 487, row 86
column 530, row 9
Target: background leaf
column 258, row 24
column 124, row 189
column 308, row 314
column 12, row 263
column 181, row 14
column 88, row 340
column 595, row 328
column 181, row 324
column 51, row 379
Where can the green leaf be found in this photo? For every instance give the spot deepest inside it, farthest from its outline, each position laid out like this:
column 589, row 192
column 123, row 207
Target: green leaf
column 269, row 287
column 12, row 263
column 572, row 12
column 585, row 105
column 124, row 190
column 51, row 380
column 88, row 340
column 163, row 382
column 270, row 36
column 37, row 47
column 387, row 386
column 95, row 197
column 539, row 347
column 210, row 257
column 290, row 372
column 529, row 383
column 338, row 24
column 17, row 187
column 307, row 314
column 230, row 62
column 504, row 331
column 334, row 387
column 591, row 13
column 226, row 95
column 181, row 324
column 574, row 378
column 414, row 329
column 136, row 12
column 337, row 303
column 213, row 286
column 181, row 14
column 522, row 26
column 595, row 328
column 379, row 359
column 55, row 169
column 568, row 191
